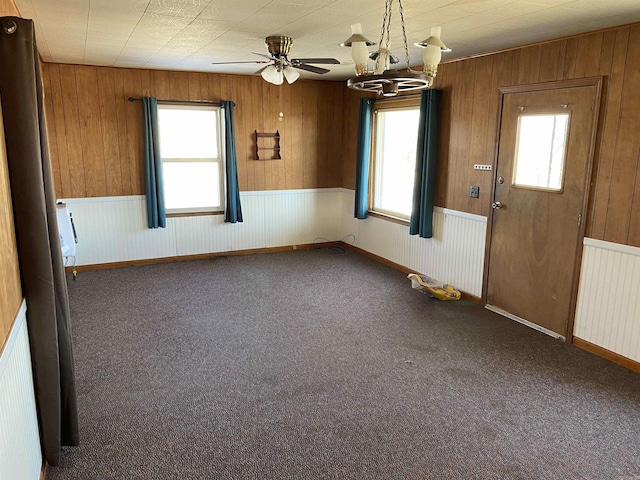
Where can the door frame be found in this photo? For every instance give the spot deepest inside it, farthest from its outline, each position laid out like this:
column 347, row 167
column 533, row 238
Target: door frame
column 538, row 87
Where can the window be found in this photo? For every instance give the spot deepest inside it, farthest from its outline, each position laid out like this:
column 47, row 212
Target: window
column 540, row 151
column 394, row 158
column 192, row 158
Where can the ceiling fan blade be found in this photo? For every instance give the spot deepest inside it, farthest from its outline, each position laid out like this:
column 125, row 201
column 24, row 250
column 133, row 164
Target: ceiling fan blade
column 231, row 63
column 261, row 70
column 319, row 61
column 263, row 55
column 311, row 68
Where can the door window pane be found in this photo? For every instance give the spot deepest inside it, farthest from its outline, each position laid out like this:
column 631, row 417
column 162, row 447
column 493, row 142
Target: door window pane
column 540, row 151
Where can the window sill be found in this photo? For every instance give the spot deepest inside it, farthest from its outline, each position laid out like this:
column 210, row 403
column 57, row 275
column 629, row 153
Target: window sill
column 390, row 218
column 192, row 214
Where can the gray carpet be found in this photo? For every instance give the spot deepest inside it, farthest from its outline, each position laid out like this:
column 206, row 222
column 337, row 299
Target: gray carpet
column 313, row 365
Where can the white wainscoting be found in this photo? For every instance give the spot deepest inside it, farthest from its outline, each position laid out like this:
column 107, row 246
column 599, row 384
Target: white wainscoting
column 20, row 455
column 113, row 229
column 608, row 310
column 454, row 255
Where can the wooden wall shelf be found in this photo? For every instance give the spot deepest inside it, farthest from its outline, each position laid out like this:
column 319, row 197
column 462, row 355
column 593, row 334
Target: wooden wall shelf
column 273, row 147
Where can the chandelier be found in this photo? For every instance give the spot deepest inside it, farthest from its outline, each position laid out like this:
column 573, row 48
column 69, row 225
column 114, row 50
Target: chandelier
column 381, row 79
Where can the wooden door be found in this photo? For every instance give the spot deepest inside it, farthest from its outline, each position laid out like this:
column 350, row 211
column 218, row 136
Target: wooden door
column 541, row 179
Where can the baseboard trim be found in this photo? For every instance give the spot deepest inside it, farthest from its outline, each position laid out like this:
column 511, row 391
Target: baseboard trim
column 253, row 251
column 607, row 354
column 200, row 256
column 401, row 268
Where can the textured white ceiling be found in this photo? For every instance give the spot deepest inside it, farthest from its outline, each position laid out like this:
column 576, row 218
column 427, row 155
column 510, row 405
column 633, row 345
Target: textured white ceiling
column 190, row 34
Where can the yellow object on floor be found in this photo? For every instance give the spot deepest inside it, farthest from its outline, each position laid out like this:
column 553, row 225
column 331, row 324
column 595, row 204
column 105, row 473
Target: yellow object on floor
column 437, row 289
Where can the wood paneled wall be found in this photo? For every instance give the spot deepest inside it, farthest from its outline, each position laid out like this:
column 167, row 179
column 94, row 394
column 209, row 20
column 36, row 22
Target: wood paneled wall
column 351, row 111
column 96, row 135
column 8, row 9
column 469, row 113
column 10, row 288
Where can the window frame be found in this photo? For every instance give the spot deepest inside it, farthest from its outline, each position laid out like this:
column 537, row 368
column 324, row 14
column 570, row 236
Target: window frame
column 221, row 159
column 409, row 102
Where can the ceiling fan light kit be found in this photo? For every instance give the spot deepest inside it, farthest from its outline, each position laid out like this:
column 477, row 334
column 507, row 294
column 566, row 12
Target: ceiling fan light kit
column 381, row 79
column 273, row 75
column 291, row 74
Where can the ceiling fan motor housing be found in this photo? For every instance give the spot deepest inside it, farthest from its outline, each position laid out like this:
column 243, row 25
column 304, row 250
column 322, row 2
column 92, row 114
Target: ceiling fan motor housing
column 278, row 45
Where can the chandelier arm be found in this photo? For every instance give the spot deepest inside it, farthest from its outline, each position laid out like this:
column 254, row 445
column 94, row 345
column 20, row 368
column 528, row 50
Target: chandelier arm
column 403, row 81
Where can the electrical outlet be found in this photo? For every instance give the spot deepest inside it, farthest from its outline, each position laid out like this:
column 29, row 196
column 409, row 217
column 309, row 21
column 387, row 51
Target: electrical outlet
column 474, row 192
column 481, row 167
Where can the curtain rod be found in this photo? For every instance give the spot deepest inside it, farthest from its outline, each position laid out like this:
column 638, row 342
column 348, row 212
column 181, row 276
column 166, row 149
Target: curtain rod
column 197, row 102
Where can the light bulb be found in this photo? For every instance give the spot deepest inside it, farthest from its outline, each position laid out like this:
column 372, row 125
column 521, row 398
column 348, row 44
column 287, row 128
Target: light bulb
column 382, row 63
column 431, row 58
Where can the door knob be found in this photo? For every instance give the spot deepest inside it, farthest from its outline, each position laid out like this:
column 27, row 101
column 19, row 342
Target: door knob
column 496, row 205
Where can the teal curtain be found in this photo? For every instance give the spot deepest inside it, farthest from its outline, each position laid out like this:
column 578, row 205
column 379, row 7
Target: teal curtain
column 363, row 158
column 425, row 176
column 233, row 212
column 156, row 213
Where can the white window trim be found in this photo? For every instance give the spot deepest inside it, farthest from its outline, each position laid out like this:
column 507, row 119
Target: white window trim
column 221, row 158
column 404, row 104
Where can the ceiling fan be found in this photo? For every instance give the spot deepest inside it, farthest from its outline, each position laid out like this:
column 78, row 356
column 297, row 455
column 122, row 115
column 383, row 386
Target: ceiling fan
column 280, row 66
